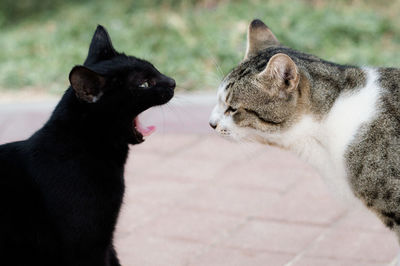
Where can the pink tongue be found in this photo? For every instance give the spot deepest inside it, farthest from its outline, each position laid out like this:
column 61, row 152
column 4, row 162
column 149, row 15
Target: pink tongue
column 144, row 131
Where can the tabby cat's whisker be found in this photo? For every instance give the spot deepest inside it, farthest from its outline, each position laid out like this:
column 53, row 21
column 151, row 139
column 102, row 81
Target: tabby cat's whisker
column 217, row 66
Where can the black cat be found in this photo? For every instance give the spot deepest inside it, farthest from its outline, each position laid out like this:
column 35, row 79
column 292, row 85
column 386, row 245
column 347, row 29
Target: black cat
column 61, row 189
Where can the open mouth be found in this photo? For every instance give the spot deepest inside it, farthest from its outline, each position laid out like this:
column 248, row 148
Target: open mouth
column 141, row 132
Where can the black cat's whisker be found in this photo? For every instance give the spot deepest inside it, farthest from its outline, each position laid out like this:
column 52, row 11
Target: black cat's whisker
column 181, row 100
column 163, row 120
column 176, row 112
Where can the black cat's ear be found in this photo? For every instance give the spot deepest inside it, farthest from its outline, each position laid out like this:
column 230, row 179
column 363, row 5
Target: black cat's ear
column 259, row 37
column 87, row 84
column 101, row 47
column 281, row 74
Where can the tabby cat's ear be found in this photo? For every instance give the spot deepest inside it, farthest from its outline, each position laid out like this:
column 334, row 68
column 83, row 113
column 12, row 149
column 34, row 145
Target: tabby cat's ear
column 100, row 48
column 87, row 84
column 281, row 73
column 259, row 37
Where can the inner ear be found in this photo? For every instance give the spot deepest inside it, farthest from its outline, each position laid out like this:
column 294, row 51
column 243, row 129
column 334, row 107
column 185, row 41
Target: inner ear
column 281, row 73
column 87, row 84
column 259, row 37
column 101, row 47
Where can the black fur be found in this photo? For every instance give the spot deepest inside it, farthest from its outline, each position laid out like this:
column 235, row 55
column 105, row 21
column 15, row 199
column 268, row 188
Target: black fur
column 61, row 189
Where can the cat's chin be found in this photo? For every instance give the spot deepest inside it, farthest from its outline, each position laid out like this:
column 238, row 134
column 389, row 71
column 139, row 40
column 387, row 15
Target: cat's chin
column 139, row 132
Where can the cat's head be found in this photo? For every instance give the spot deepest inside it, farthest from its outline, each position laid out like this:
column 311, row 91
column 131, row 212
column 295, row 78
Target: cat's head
column 119, row 87
column 260, row 96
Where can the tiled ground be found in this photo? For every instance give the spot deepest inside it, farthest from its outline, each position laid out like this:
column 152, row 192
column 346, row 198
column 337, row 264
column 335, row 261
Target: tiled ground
column 195, row 199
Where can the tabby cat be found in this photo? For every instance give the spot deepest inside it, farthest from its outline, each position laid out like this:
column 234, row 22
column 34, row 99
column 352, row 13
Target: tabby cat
column 344, row 120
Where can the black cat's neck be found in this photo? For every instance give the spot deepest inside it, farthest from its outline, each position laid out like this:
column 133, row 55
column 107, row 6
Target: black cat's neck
column 83, row 126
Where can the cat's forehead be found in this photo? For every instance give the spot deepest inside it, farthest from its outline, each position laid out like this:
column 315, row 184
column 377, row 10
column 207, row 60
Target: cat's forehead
column 238, row 81
column 132, row 62
column 241, row 83
column 247, row 69
column 257, row 63
column 123, row 64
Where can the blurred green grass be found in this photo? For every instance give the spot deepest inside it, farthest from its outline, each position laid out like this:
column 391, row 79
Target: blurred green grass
column 196, row 41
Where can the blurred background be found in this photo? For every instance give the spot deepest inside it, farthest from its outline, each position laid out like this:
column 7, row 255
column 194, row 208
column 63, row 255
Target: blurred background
column 192, row 198
column 194, row 41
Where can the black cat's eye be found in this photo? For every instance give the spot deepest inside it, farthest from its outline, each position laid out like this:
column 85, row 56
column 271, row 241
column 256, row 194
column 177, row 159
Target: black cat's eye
column 144, row 85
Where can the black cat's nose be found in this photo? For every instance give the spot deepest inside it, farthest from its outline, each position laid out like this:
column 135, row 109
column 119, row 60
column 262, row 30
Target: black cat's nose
column 171, row 83
column 212, row 125
column 167, row 82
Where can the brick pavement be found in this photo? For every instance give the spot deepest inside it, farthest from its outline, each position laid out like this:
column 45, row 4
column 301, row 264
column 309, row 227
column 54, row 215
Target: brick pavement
column 195, row 199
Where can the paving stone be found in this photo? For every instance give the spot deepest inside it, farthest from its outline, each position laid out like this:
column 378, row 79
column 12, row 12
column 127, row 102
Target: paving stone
column 360, row 218
column 214, row 148
column 21, row 125
column 273, row 237
column 313, row 261
column 218, row 256
column 310, row 204
column 145, row 250
column 356, row 245
column 193, row 198
column 236, row 202
column 192, row 225
column 262, row 171
column 167, row 144
column 189, row 168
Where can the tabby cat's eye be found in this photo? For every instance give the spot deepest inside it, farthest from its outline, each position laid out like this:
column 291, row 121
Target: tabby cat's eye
column 230, row 109
column 144, row 85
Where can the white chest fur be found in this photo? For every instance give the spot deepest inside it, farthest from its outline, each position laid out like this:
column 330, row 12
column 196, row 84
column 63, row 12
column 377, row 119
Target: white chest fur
column 324, row 143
